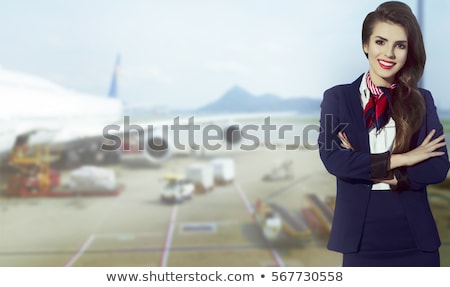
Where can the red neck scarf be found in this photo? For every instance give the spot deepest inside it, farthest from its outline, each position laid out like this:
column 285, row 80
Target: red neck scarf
column 377, row 110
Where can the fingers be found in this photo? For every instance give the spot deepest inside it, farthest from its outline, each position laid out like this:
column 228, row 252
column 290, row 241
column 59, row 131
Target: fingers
column 345, row 137
column 345, row 142
column 438, row 139
column 428, row 148
column 434, row 144
column 436, row 153
column 428, row 137
column 342, row 136
column 346, row 146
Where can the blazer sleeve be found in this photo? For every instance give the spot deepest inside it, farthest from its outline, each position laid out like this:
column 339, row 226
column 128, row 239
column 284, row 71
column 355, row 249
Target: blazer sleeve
column 432, row 170
column 344, row 163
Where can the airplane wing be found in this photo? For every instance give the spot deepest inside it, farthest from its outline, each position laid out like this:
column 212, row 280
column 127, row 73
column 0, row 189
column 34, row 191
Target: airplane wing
column 157, row 140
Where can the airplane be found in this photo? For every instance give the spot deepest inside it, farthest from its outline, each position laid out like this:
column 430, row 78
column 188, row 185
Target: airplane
column 37, row 112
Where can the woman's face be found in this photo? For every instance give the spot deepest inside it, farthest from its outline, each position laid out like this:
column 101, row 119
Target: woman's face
column 387, row 49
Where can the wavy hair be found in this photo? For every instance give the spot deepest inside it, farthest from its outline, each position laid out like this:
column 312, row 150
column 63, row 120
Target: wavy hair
column 408, row 105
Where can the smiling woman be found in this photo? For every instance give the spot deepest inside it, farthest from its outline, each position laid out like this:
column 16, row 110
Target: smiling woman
column 383, row 141
column 387, row 53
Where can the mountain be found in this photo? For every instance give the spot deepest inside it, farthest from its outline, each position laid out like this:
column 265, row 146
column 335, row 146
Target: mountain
column 238, row 100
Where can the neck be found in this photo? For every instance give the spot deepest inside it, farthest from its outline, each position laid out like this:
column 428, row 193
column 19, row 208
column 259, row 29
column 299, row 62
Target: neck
column 381, row 82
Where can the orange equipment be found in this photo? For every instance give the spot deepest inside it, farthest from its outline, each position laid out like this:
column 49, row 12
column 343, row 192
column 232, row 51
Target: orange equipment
column 34, row 176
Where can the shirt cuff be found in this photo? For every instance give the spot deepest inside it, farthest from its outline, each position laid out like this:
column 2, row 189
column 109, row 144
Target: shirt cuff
column 402, row 179
column 379, row 165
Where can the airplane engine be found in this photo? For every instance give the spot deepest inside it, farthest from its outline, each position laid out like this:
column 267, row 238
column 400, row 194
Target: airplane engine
column 232, row 134
column 157, row 148
column 153, row 148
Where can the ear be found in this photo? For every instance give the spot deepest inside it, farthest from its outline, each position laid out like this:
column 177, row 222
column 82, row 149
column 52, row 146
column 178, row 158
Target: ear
column 366, row 48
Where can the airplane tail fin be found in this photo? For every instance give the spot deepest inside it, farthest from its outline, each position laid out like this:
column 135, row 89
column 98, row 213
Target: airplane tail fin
column 113, row 88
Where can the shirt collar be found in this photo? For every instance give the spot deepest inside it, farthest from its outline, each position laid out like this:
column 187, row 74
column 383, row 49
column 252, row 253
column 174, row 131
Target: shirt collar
column 364, row 91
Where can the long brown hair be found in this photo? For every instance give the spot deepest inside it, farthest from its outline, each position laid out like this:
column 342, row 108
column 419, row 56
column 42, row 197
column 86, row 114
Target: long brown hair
column 407, row 106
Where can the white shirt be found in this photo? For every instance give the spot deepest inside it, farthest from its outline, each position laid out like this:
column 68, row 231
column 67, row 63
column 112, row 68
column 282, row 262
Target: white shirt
column 382, row 141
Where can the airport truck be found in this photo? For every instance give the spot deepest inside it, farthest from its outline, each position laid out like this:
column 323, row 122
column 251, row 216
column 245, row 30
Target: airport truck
column 224, row 170
column 177, row 189
column 202, row 176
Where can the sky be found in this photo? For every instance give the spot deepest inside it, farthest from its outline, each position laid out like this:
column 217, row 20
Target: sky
column 183, row 54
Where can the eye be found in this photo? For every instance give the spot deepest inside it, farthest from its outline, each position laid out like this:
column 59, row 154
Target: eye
column 401, row 46
column 379, row 42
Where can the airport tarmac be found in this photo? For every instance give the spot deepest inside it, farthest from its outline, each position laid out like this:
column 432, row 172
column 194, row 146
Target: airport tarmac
column 212, row 229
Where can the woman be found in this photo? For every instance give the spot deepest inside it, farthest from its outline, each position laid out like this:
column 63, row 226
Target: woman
column 382, row 139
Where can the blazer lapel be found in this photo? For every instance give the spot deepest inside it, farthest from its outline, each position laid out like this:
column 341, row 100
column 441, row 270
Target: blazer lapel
column 356, row 110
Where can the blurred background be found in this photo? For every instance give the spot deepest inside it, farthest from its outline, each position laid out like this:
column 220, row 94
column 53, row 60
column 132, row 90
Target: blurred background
column 75, row 75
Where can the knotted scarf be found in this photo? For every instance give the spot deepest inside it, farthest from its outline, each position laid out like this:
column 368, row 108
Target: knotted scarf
column 377, row 110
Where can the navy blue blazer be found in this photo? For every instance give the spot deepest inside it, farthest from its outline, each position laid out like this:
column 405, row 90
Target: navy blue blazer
column 341, row 110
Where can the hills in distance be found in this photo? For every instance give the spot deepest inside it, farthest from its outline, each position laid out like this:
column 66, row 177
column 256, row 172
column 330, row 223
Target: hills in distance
column 238, row 100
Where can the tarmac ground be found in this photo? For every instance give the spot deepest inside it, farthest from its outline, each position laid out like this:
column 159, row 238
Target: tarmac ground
column 216, row 228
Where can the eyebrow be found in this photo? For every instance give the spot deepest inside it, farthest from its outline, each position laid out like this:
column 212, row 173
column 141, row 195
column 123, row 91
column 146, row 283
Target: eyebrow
column 397, row 42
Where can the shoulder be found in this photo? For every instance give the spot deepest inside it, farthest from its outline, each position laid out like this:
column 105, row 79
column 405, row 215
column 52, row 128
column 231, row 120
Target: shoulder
column 427, row 96
column 344, row 89
column 425, row 93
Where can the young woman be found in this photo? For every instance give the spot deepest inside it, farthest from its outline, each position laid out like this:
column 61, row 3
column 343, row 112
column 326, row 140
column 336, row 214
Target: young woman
column 382, row 139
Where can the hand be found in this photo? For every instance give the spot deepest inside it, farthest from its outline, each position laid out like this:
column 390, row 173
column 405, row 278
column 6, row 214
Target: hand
column 345, row 142
column 389, row 179
column 423, row 152
column 392, row 181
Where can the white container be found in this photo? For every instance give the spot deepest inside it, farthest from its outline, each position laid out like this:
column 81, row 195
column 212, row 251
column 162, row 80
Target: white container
column 202, row 176
column 92, row 178
column 224, row 170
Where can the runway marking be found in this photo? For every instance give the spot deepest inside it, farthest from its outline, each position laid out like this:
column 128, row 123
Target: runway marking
column 121, row 235
column 138, row 250
column 277, row 258
column 250, row 210
column 91, row 237
column 199, row 227
column 247, row 204
column 80, row 251
column 169, row 235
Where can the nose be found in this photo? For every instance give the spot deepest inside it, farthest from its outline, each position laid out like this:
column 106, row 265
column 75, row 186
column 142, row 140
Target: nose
column 390, row 53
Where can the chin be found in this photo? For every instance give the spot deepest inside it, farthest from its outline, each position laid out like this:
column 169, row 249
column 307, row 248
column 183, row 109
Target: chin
column 387, row 77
